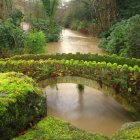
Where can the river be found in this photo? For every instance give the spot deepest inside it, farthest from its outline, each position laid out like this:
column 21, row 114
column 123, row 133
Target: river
column 73, row 42
column 91, row 110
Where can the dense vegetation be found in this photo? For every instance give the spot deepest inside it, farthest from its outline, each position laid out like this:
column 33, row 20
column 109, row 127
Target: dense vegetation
column 85, row 57
column 21, row 103
column 43, row 28
column 123, row 38
column 115, row 21
column 127, row 8
column 129, row 131
column 124, row 79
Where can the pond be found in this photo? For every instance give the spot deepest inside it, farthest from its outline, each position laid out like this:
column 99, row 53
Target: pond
column 72, row 42
column 90, row 110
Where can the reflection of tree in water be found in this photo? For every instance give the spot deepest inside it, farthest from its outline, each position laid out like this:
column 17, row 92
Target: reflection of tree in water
column 80, row 88
column 54, row 86
column 81, row 92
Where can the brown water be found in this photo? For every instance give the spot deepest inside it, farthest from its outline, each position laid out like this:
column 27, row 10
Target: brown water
column 72, row 42
column 90, row 110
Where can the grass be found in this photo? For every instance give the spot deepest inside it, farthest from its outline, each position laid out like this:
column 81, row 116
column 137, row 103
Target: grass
column 55, row 129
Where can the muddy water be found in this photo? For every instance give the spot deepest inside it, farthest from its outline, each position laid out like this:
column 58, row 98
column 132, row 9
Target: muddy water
column 72, row 42
column 90, row 110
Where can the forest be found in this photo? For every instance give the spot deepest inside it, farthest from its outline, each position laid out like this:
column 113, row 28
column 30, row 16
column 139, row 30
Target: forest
column 69, row 69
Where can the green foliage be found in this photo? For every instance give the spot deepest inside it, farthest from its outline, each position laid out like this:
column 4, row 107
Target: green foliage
column 11, row 38
column 86, row 57
column 124, row 79
column 123, row 38
column 16, row 16
column 35, row 42
column 129, row 131
column 127, row 8
column 21, row 102
column 52, row 32
column 55, row 129
column 50, row 7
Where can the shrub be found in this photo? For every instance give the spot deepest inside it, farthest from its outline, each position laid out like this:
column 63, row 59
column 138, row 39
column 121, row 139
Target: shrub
column 35, row 42
column 123, row 38
column 86, row 57
column 16, row 16
column 52, row 32
column 21, row 103
column 11, row 38
column 129, row 131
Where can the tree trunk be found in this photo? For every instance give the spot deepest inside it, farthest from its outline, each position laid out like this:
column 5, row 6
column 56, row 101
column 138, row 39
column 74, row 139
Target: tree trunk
column 1, row 9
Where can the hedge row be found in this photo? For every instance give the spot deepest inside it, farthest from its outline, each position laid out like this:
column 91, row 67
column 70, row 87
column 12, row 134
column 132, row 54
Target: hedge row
column 85, row 57
column 21, row 103
column 124, row 79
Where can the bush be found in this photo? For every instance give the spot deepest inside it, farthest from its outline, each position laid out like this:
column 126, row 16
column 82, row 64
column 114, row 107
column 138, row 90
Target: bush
column 86, row 57
column 35, row 42
column 123, row 38
column 52, row 32
column 21, row 103
column 129, row 131
column 16, row 16
column 11, row 38
column 55, row 129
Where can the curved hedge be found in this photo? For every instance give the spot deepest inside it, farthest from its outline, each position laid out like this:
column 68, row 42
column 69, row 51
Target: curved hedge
column 125, row 80
column 85, row 57
column 21, row 103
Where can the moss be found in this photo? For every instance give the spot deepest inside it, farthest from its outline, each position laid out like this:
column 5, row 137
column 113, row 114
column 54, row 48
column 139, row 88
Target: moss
column 129, row 131
column 21, row 102
column 55, row 129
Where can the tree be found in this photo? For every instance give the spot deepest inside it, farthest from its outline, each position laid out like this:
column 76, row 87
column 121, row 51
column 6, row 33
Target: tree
column 1, row 9
column 50, row 7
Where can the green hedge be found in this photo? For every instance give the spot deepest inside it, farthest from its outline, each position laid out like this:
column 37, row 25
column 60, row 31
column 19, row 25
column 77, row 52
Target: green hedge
column 129, row 131
column 86, row 57
column 21, row 103
column 55, row 129
column 124, row 79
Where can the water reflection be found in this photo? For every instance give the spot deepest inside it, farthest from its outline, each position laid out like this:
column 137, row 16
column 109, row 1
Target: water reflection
column 90, row 110
column 72, row 42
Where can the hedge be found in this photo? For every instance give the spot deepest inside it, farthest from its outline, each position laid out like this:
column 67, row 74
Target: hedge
column 85, row 57
column 55, row 129
column 125, row 80
column 129, row 131
column 21, row 103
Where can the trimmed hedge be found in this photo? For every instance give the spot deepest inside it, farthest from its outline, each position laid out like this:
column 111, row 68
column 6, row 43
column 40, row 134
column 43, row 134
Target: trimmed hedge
column 21, row 103
column 85, row 57
column 55, row 129
column 129, row 131
column 124, row 79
